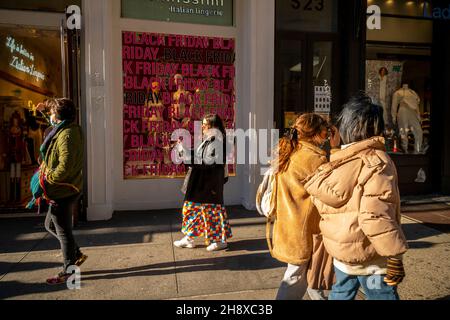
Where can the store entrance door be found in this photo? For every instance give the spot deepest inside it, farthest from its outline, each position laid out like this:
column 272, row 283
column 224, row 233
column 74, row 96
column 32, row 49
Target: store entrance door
column 36, row 62
column 305, row 75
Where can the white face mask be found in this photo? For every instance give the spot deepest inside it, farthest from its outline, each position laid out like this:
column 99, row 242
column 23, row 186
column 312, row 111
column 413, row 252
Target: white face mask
column 53, row 120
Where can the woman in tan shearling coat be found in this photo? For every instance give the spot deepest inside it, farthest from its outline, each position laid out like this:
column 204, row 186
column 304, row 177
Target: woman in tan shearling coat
column 299, row 155
column 358, row 199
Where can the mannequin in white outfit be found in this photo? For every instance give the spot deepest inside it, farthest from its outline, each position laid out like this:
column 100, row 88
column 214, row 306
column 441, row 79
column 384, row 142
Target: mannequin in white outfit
column 383, row 72
column 406, row 102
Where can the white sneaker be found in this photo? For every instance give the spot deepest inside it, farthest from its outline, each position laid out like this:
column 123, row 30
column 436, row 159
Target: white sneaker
column 217, row 246
column 186, row 242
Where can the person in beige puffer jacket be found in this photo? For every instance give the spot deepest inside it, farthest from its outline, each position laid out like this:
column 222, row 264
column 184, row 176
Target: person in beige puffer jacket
column 357, row 196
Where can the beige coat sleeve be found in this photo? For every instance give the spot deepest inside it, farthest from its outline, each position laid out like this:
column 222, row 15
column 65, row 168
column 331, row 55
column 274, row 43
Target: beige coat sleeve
column 379, row 213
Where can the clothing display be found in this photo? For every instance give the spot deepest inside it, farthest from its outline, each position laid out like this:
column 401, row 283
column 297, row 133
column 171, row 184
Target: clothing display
column 406, row 114
column 3, row 150
column 382, row 96
column 383, row 77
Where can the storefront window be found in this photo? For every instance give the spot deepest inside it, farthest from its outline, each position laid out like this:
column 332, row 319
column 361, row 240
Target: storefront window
column 290, row 71
column 403, row 8
column 30, row 72
column 171, row 82
column 322, row 71
column 306, row 41
column 398, row 74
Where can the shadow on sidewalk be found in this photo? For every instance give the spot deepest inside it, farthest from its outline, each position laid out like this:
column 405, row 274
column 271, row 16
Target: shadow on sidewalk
column 248, row 245
column 416, row 231
column 10, row 289
column 254, row 261
column 7, row 267
column 127, row 227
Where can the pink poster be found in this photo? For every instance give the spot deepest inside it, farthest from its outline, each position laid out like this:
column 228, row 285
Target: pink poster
column 169, row 82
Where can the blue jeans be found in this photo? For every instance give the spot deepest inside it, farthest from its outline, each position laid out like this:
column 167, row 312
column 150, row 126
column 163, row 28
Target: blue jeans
column 346, row 287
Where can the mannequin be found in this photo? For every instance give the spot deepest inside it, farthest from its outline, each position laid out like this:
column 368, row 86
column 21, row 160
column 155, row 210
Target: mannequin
column 180, row 107
column 383, row 72
column 154, row 100
column 16, row 154
column 405, row 112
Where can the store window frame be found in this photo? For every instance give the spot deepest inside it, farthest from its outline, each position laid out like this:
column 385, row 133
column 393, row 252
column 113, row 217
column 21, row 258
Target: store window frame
column 307, row 90
column 409, row 163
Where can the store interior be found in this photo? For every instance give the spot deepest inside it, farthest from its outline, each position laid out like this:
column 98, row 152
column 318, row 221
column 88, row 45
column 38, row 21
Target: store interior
column 31, row 70
column 398, row 77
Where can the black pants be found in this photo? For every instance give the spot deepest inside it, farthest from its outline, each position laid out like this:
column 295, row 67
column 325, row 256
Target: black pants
column 58, row 223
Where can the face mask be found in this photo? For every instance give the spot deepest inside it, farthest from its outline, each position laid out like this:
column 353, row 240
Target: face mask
column 52, row 121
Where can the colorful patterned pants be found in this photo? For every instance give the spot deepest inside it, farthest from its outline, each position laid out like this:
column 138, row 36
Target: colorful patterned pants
column 208, row 220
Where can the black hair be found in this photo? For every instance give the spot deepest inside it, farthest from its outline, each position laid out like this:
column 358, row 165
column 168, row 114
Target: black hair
column 215, row 122
column 360, row 119
column 386, row 72
column 64, row 108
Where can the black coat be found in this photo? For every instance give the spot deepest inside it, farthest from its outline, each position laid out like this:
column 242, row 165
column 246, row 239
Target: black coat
column 206, row 180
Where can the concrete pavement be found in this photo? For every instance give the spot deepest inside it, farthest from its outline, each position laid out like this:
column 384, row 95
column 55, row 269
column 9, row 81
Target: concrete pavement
column 132, row 257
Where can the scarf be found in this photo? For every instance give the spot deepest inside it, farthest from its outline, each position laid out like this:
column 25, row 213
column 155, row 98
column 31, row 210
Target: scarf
column 37, row 183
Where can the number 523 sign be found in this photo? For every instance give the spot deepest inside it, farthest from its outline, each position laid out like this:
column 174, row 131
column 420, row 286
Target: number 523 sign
column 307, row 5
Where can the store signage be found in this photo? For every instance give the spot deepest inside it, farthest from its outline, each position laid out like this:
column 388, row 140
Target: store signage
column 308, row 5
column 212, row 12
column 19, row 52
column 437, row 13
column 73, row 17
column 374, row 17
column 171, row 82
column 307, row 15
column 374, row 14
column 322, row 98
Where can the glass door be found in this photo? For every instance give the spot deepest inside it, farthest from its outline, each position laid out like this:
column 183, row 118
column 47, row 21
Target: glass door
column 304, row 75
column 290, row 77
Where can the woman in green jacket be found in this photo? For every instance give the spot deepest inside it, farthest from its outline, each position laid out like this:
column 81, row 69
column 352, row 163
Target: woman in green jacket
column 60, row 179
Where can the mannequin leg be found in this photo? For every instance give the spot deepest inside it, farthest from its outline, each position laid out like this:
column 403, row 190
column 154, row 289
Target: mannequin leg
column 418, row 135
column 403, row 126
column 407, row 120
column 387, row 123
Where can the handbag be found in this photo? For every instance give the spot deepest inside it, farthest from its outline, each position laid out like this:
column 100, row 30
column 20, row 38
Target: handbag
column 186, row 181
column 320, row 274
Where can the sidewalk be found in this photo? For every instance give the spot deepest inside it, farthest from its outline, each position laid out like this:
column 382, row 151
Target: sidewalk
column 132, row 257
